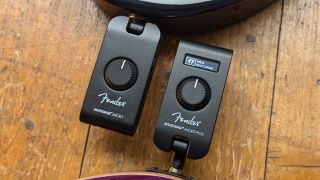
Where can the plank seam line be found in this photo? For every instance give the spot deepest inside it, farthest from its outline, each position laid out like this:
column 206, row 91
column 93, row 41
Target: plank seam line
column 274, row 89
column 300, row 166
column 84, row 151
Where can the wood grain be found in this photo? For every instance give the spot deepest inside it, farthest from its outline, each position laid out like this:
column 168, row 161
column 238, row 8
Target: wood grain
column 239, row 144
column 294, row 150
column 47, row 50
column 47, row 53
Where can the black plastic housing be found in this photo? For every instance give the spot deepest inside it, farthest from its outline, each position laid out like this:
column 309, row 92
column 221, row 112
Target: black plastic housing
column 195, row 127
column 120, row 110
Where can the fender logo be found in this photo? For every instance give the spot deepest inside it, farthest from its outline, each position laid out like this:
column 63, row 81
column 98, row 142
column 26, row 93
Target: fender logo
column 106, row 99
column 179, row 118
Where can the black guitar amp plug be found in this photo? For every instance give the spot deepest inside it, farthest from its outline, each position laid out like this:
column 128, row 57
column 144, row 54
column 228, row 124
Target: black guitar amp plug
column 192, row 99
column 120, row 80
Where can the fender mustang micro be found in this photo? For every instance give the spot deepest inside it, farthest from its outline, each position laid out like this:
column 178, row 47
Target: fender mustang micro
column 192, row 99
column 121, row 76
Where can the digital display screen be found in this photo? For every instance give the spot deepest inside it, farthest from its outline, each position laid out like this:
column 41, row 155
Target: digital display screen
column 201, row 63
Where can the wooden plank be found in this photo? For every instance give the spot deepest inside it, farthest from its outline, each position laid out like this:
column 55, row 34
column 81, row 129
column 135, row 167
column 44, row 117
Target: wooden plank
column 47, row 51
column 294, row 149
column 239, row 145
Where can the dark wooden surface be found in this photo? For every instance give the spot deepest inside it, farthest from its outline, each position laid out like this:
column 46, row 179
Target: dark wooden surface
column 269, row 121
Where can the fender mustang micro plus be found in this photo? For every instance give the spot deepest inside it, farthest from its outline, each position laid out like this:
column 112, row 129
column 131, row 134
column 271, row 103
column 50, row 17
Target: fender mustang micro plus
column 192, row 99
column 121, row 76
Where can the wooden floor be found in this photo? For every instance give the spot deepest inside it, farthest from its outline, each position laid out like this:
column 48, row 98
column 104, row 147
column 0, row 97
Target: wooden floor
column 269, row 121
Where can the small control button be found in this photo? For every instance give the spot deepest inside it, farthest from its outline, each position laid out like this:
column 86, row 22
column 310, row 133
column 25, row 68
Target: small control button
column 193, row 93
column 121, row 74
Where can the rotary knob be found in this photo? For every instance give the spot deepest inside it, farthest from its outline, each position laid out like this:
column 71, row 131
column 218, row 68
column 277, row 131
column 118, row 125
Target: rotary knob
column 121, row 74
column 193, row 94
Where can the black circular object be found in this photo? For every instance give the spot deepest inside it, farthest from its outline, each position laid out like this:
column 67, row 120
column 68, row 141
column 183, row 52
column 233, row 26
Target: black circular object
column 121, row 74
column 193, row 93
column 193, row 15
